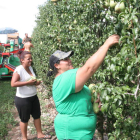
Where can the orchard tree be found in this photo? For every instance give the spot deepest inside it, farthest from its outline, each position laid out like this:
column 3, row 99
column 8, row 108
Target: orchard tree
column 83, row 26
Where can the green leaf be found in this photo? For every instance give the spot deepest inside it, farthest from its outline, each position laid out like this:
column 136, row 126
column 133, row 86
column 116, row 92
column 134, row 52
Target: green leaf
column 104, row 107
column 117, row 132
column 126, row 78
column 112, row 67
column 119, row 102
column 135, row 19
column 135, row 31
column 107, row 98
column 123, row 38
column 113, row 107
column 129, row 68
column 126, row 88
column 112, row 138
column 138, row 99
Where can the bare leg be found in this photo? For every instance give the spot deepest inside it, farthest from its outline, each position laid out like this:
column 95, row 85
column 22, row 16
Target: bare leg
column 23, row 127
column 37, row 123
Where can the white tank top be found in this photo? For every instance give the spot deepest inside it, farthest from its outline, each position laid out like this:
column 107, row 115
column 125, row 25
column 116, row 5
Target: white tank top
column 25, row 91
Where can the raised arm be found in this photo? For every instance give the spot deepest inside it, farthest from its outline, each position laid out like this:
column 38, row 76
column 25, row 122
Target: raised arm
column 93, row 63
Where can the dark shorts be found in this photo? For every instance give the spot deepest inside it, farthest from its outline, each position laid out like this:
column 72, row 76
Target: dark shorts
column 28, row 106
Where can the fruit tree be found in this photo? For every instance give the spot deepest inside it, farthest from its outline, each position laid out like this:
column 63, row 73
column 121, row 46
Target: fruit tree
column 83, row 26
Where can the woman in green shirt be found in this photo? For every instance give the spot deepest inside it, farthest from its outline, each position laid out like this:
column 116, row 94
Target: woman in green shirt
column 76, row 119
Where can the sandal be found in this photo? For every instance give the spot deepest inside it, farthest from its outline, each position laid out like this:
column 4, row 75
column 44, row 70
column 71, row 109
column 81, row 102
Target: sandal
column 45, row 137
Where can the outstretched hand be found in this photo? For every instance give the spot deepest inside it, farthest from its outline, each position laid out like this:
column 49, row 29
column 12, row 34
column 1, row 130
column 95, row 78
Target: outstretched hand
column 112, row 40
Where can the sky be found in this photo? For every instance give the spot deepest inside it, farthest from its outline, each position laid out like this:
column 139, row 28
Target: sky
column 20, row 15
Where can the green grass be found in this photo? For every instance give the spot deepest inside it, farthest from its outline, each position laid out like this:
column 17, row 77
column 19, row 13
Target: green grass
column 7, row 94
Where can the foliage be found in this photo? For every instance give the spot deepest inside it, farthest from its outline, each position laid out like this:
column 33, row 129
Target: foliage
column 6, row 104
column 83, row 26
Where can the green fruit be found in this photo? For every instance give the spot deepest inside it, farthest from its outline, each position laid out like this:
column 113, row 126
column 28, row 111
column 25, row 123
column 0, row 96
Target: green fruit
column 112, row 4
column 32, row 78
column 96, row 108
column 39, row 79
column 117, row 8
column 122, row 6
column 75, row 22
column 91, row 87
column 93, row 91
column 106, row 4
column 70, row 28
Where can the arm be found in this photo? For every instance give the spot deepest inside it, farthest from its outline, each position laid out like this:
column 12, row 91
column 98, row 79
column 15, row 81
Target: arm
column 38, row 83
column 16, row 83
column 93, row 63
column 32, row 45
column 24, row 45
column 23, row 41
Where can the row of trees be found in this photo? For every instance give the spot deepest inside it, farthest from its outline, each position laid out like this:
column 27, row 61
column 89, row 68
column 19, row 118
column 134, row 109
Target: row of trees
column 83, row 26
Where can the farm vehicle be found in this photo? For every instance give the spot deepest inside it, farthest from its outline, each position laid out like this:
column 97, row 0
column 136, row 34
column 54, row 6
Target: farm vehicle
column 8, row 59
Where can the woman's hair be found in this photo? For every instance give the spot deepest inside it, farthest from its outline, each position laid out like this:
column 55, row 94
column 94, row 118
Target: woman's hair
column 53, row 71
column 21, row 54
column 56, row 57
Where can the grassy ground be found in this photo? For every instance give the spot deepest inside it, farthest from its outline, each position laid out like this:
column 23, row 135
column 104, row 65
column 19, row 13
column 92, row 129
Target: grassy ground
column 7, row 94
column 10, row 129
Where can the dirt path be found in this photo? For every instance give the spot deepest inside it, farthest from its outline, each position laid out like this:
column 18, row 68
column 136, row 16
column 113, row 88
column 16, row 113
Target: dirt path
column 15, row 133
column 48, row 113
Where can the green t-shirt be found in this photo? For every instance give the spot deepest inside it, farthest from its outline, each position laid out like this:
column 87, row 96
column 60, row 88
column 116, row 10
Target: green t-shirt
column 20, row 42
column 76, row 119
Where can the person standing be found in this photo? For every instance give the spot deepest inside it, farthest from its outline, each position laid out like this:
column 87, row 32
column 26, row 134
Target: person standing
column 26, row 39
column 76, row 119
column 26, row 100
column 20, row 42
column 28, row 45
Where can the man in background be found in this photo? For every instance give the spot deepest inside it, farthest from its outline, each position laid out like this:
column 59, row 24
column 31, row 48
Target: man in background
column 20, row 42
column 26, row 39
column 28, row 45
